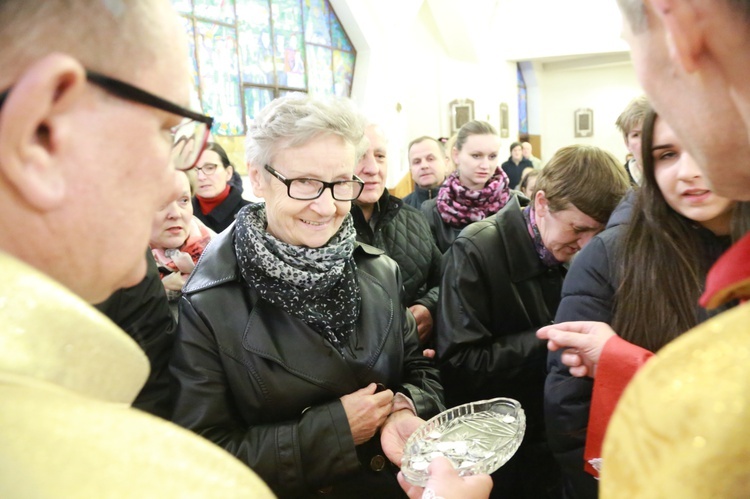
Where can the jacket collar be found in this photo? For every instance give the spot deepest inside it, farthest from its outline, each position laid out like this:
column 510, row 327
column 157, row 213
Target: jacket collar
column 523, row 260
column 386, row 209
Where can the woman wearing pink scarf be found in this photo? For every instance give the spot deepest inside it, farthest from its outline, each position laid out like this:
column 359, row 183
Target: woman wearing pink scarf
column 477, row 189
column 177, row 241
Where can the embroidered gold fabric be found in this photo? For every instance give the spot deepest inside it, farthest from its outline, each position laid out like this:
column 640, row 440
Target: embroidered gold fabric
column 682, row 427
column 67, row 377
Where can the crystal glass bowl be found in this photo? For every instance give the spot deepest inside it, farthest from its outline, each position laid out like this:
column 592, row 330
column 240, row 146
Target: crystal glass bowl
column 477, row 437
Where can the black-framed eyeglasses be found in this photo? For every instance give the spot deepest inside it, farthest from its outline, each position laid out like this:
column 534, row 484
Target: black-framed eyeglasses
column 208, row 169
column 307, row 189
column 190, row 136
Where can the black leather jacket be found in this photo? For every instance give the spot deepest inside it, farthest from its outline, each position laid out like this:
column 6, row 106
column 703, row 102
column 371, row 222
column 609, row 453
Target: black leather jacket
column 495, row 294
column 266, row 387
column 443, row 233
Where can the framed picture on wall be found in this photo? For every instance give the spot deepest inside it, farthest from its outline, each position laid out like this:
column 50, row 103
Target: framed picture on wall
column 462, row 111
column 584, row 122
column 504, row 122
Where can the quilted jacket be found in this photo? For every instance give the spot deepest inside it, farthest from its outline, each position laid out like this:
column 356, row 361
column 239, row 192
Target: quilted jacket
column 403, row 234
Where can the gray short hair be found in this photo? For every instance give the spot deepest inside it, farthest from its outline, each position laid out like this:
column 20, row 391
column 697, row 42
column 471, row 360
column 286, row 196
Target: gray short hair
column 104, row 35
column 295, row 119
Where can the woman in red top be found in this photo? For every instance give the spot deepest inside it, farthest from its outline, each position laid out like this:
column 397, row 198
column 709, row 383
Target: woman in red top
column 216, row 201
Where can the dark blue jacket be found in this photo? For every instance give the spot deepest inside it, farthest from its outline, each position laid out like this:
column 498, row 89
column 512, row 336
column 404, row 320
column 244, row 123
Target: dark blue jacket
column 588, row 294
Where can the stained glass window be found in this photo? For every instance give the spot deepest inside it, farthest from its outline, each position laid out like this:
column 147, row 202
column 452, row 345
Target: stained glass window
column 247, row 52
column 523, row 109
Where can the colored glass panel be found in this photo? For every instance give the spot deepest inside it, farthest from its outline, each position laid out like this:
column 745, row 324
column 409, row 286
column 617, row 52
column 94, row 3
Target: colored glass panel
column 320, row 75
column 287, row 15
column 343, row 70
column 188, row 24
column 255, row 100
column 256, row 50
column 338, row 35
column 216, row 10
column 523, row 121
column 290, row 53
column 219, row 77
column 317, row 28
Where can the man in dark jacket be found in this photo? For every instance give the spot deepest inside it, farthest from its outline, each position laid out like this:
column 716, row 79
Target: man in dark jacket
column 516, row 164
column 428, row 163
column 385, row 222
column 143, row 312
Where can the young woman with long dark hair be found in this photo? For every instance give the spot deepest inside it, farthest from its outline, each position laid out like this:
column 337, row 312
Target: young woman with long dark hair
column 643, row 276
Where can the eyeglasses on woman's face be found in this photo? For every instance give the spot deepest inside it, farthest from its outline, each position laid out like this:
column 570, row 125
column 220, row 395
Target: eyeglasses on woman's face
column 307, row 189
column 189, row 137
column 207, row 169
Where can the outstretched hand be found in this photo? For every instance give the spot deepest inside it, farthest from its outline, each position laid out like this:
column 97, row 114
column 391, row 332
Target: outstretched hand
column 396, row 431
column 582, row 342
column 444, row 482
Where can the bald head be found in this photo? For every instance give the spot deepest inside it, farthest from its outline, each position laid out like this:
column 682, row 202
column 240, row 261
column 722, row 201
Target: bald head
column 119, row 36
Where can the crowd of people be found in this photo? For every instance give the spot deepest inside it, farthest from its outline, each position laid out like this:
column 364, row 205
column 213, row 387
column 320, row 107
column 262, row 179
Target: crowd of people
column 291, row 346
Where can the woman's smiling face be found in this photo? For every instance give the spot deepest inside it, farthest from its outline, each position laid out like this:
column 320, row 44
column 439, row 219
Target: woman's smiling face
column 314, row 222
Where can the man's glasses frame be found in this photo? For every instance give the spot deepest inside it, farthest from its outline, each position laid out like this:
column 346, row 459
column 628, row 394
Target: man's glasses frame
column 324, row 185
column 132, row 93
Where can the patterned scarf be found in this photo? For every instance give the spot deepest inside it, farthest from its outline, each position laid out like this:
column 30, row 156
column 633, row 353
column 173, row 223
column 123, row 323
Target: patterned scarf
column 317, row 285
column 459, row 206
column 545, row 255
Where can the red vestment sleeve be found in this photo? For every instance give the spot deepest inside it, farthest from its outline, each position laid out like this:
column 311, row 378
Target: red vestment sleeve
column 619, row 362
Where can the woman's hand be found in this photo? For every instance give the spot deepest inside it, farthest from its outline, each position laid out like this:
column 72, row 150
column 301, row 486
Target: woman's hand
column 583, row 343
column 397, row 429
column 174, row 281
column 184, row 262
column 366, row 411
column 444, row 482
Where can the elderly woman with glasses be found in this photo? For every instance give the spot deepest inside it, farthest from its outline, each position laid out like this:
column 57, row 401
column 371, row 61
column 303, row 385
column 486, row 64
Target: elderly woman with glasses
column 294, row 352
column 216, row 201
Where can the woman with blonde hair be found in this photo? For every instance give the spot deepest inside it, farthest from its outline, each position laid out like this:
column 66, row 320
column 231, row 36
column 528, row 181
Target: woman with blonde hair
column 477, row 189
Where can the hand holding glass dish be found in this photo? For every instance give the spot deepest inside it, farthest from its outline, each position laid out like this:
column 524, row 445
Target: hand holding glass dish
column 478, row 437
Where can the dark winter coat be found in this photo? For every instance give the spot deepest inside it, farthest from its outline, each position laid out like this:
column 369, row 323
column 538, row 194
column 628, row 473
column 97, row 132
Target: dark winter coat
column 420, row 195
column 143, row 312
column 514, row 171
column 224, row 214
column 588, row 295
column 443, row 233
column 403, row 234
column 495, row 294
column 266, row 387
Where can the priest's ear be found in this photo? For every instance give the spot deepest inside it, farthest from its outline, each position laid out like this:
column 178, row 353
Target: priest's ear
column 34, row 124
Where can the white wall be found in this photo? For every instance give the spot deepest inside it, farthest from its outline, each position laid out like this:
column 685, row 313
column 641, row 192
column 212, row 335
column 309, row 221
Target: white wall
column 605, row 90
column 415, row 56
column 554, row 28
